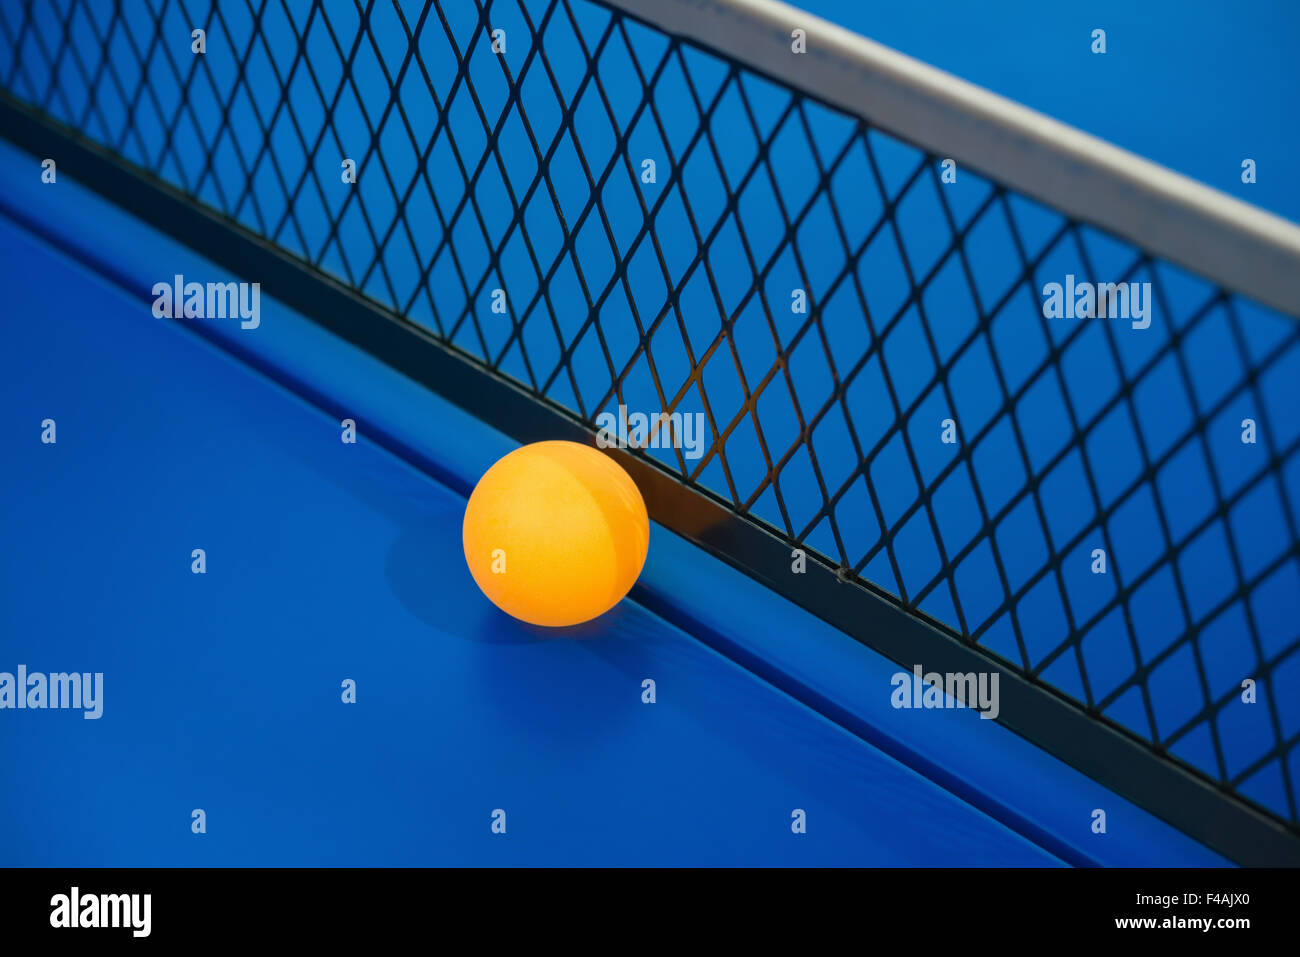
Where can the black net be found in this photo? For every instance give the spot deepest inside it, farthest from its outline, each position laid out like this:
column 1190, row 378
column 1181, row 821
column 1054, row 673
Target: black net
column 862, row 344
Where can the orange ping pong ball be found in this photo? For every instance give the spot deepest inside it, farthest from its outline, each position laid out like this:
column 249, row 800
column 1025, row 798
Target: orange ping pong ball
column 555, row 533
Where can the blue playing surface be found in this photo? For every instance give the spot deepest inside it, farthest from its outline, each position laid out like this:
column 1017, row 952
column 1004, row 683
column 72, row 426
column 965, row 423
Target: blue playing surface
column 329, row 561
column 924, row 304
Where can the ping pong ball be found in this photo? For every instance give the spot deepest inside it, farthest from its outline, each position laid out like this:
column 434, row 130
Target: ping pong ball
column 555, row 533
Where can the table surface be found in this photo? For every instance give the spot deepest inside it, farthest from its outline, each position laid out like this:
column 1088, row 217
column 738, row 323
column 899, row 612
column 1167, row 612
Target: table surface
column 328, row 561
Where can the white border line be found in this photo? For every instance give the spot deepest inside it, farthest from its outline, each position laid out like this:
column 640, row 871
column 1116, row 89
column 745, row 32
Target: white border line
column 1176, row 218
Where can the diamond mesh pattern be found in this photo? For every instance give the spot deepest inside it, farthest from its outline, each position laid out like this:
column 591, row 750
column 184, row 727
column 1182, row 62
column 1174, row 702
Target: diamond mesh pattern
column 523, row 170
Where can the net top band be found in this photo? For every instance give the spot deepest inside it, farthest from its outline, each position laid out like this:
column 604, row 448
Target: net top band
column 1165, row 213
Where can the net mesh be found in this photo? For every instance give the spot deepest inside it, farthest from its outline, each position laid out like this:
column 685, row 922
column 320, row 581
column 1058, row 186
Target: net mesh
column 857, row 338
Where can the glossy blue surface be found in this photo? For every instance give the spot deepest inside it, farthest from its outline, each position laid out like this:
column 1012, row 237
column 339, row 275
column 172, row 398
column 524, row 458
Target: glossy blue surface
column 519, row 171
column 328, row 561
column 1195, row 85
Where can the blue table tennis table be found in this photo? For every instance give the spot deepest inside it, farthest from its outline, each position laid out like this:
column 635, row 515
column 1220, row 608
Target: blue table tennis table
column 291, row 662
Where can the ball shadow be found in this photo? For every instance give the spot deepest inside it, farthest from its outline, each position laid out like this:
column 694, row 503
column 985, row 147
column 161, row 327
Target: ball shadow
column 426, row 571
